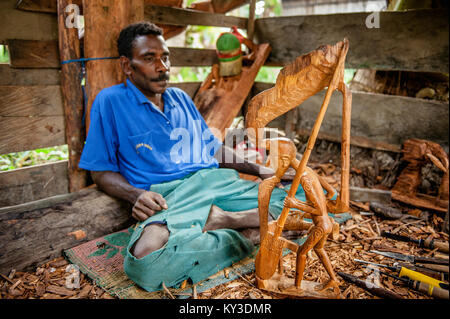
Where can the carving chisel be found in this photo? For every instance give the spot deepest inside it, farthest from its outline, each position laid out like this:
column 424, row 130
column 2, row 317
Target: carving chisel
column 427, row 289
column 443, row 276
column 411, row 274
column 412, row 259
column 431, row 244
column 373, row 289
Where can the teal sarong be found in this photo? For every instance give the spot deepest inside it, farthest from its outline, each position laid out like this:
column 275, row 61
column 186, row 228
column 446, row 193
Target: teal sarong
column 189, row 252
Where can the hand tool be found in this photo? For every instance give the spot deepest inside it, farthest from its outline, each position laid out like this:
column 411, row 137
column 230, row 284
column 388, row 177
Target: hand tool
column 372, row 288
column 412, row 259
column 440, row 268
column 431, row 244
column 443, row 276
column 425, row 288
column 405, row 272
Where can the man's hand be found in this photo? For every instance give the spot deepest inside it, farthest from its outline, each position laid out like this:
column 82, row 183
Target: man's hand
column 147, row 205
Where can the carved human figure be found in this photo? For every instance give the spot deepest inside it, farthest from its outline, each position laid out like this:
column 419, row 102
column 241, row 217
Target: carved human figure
column 314, row 208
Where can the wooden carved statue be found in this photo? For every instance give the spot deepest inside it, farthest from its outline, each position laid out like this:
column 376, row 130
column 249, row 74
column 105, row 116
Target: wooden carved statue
column 305, row 77
column 417, row 153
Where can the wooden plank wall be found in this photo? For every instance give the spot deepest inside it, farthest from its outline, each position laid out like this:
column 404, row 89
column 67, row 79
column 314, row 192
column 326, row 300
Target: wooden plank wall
column 415, row 40
column 31, row 113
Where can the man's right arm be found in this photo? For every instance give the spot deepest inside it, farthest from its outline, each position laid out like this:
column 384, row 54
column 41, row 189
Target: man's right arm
column 145, row 203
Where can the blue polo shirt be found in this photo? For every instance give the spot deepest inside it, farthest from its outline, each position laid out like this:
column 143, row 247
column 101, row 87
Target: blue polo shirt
column 130, row 135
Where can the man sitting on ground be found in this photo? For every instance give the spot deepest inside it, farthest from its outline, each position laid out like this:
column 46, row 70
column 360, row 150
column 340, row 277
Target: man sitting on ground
column 148, row 145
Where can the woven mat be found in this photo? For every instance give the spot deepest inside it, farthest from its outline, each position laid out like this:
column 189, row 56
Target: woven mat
column 101, row 260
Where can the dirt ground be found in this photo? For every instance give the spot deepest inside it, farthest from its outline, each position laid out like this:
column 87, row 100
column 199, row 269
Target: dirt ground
column 357, row 236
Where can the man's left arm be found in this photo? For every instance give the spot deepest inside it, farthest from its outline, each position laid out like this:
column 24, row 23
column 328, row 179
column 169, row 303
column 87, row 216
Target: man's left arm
column 228, row 158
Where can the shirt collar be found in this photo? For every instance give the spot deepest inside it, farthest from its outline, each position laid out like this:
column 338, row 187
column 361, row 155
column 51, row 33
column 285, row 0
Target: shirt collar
column 142, row 99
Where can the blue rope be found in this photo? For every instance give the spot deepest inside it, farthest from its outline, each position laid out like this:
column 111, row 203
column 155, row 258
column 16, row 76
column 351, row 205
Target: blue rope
column 83, row 87
column 87, row 59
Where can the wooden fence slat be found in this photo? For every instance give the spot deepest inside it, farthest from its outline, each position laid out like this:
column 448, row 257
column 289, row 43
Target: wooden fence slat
column 178, row 16
column 21, row 77
column 32, row 183
column 44, row 54
column 414, row 40
column 44, row 226
column 47, row 6
column 379, row 121
column 189, row 87
column 30, row 101
column 28, row 133
column 19, row 24
column 33, row 54
column 192, row 57
column 31, row 117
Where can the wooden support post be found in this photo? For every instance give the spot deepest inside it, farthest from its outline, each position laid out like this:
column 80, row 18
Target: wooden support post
column 72, row 96
column 251, row 20
column 103, row 21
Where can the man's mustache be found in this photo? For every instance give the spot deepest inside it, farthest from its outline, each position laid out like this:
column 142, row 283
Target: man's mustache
column 162, row 77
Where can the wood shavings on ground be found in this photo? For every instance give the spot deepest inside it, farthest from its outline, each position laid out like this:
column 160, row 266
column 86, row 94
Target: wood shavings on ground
column 356, row 238
column 49, row 281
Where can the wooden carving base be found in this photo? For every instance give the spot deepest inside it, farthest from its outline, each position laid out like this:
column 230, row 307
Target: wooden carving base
column 283, row 285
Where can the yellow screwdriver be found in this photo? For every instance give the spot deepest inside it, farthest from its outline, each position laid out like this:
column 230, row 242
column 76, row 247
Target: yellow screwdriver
column 411, row 274
column 422, row 287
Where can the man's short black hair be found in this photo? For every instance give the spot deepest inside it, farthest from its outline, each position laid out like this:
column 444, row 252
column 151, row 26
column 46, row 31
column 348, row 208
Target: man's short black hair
column 131, row 32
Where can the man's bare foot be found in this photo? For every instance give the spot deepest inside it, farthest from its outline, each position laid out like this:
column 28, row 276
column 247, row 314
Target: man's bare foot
column 221, row 219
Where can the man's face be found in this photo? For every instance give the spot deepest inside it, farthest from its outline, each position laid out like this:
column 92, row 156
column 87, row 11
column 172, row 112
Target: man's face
column 149, row 67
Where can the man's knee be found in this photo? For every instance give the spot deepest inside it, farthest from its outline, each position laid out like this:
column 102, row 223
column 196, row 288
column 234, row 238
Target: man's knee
column 153, row 237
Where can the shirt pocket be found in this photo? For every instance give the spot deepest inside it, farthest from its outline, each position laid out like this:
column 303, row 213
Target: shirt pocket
column 154, row 149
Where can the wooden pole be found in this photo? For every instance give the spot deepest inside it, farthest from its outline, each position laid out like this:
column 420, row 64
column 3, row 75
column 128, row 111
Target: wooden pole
column 72, row 95
column 103, row 21
column 251, row 20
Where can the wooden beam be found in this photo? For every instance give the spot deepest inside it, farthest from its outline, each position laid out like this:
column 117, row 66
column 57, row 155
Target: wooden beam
column 415, row 40
column 31, row 117
column 222, row 6
column 355, row 140
column 192, row 57
column 359, row 194
column 18, row 24
column 251, row 20
column 378, row 121
column 72, row 97
column 189, row 87
column 45, row 54
column 32, row 183
column 104, row 19
column 47, row 6
column 178, row 16
column 33, row 53
column 21, row 77
column 34, row 233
